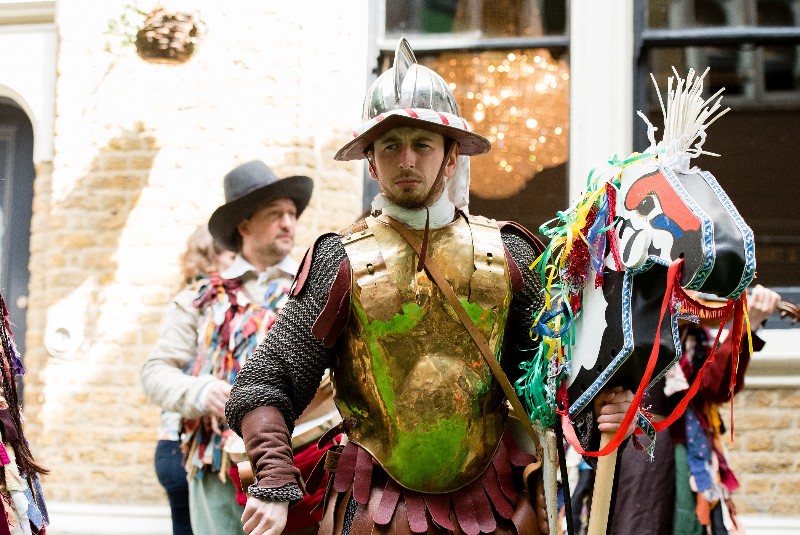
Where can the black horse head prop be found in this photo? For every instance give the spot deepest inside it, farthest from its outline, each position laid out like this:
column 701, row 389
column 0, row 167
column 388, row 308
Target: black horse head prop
column 620, row 259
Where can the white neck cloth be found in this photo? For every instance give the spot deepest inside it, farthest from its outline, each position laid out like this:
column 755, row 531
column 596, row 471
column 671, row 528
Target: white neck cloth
column 442, row 212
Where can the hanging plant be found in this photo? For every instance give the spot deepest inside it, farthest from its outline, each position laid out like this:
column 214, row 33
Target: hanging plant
column 167, row 37
column 121, row 31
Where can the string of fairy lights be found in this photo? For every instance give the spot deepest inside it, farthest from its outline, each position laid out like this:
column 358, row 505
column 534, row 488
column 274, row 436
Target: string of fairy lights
column 518, row 100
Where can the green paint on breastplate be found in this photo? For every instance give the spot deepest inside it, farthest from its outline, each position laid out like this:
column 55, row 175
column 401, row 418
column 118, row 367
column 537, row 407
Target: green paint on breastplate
column 400, row 323
column 430, row 453
column 482, row 318
column 485, row 320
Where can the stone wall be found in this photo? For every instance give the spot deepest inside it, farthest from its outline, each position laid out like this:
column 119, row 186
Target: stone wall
column 764, row 452
column 140, row 152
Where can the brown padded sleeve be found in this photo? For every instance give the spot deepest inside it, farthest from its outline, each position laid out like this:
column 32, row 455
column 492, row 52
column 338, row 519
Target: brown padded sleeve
column 517, row 283
column 334, row 314
column 305, row 266
column 268, row 445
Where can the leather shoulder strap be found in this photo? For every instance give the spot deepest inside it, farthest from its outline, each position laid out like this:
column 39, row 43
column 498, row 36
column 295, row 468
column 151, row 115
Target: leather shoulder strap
column 332, row 319
column 517, row 282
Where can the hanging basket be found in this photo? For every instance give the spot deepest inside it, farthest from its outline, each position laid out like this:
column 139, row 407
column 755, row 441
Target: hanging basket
column 167, row 37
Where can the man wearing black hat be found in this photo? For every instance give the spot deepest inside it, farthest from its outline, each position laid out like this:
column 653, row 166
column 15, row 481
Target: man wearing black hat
column 215, row 324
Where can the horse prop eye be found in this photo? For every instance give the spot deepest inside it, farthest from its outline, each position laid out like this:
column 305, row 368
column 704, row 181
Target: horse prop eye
column 646, row 206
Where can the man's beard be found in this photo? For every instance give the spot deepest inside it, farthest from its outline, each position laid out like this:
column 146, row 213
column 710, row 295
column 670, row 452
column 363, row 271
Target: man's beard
column 279, row 250
column 414, row 202
column 409, row 204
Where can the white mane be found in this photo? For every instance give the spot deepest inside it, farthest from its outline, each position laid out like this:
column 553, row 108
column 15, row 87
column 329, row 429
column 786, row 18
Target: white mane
column 686, row 118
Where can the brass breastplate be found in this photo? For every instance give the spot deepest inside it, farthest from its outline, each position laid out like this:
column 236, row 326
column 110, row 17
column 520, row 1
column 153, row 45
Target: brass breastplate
column 429, row 410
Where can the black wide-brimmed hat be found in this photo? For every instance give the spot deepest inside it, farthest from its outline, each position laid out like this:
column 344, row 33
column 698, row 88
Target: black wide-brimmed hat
column 249, row 187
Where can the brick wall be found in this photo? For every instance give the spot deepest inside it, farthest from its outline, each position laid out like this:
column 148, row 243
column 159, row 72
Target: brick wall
column 764, row 452
column 140, row 151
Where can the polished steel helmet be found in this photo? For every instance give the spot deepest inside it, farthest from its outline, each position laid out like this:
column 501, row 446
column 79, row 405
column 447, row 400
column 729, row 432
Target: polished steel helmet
column 410, row 94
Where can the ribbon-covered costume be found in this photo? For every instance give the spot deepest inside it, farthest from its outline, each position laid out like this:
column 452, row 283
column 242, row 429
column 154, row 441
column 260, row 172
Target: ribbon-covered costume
column 212, row 329
column 22, row 506
column 687, row 486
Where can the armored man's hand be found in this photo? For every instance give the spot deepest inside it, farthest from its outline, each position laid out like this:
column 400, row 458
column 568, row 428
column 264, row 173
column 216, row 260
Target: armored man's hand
column 610, row 407
column 264, row 518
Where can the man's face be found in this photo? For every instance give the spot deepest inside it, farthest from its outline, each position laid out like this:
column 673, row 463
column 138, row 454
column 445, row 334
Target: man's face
column 406, row 162
column 269, row 233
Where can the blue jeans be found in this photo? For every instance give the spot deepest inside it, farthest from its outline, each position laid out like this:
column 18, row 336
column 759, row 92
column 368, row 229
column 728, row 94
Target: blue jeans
column 172, row 477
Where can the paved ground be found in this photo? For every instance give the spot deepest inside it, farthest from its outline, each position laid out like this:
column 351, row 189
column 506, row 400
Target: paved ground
column 84, row 519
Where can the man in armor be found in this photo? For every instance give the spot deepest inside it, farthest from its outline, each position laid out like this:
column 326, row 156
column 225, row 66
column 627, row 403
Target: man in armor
column 424, row 416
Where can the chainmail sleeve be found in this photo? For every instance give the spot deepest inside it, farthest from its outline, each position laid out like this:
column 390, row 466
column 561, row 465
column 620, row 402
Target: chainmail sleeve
column 518, row 346
column 286, row 369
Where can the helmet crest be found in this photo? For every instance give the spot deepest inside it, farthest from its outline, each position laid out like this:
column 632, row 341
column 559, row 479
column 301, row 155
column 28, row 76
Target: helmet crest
column 410, row 94
column 403, row 59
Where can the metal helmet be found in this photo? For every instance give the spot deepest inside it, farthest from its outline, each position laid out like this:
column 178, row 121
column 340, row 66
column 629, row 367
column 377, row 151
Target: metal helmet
column 413, row 95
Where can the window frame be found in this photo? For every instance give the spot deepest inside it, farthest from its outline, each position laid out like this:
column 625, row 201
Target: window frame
column 434, row 43
column 647, row 39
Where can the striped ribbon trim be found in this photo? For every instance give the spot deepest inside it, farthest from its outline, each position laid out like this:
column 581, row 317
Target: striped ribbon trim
column 423, row 114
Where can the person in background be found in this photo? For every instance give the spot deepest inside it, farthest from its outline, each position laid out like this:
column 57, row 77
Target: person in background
column 203, row 255
column 212, row 329
column 687, row 488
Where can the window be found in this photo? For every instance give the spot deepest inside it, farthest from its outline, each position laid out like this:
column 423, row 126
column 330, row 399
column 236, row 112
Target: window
column 751, row 48
column 507, row 63
column 497, row 18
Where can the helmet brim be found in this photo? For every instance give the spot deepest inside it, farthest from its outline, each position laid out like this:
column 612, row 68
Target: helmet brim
column 469, row 143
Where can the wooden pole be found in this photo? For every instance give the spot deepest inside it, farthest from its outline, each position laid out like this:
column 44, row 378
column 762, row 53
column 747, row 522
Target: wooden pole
column 550, row 474
column 603, row 487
